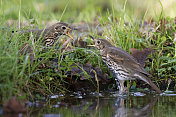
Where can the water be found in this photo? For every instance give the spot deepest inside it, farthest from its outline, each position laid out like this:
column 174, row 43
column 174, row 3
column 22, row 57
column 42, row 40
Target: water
column 103, row 105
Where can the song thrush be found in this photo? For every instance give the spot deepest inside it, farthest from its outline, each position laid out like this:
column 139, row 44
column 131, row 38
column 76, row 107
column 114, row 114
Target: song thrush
column 122, row 64
column 50, row 34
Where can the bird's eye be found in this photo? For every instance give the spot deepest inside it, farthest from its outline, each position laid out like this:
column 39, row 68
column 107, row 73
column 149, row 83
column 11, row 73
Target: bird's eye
column 63, row 27
column 98, row 42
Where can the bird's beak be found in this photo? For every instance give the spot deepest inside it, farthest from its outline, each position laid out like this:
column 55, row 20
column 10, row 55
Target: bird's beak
column 91, row 45
column 69, row 34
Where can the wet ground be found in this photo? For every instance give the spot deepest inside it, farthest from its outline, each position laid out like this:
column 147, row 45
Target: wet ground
column 134, row 104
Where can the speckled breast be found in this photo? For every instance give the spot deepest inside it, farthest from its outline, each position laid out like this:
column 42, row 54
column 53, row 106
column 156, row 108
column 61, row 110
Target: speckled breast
column 119, row 72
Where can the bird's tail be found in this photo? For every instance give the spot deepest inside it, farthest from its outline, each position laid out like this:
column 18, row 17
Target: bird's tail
column 148, row 80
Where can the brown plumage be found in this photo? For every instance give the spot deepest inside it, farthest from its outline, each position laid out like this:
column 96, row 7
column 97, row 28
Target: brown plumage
column 122, row 64
column 50, row 34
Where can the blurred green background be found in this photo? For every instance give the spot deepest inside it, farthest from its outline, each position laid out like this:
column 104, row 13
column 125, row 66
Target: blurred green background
column 84, row 10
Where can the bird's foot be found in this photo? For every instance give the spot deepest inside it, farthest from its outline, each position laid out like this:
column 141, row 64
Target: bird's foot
column 122, row 92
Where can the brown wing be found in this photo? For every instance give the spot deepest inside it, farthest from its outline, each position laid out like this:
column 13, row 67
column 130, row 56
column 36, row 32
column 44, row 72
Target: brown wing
column 125, row 59
column 39, row 33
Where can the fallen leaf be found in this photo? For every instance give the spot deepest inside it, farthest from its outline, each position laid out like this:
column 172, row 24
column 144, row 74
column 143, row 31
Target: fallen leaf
column 14, row 106
column 141, row 55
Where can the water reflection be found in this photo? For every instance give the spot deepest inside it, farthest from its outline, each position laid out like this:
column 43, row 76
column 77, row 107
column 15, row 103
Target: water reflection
column 116, row 107
column 122, row 110
column 143, row 105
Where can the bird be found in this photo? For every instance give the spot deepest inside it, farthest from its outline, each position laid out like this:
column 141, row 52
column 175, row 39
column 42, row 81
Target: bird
column 123, row 65
column 50, row 34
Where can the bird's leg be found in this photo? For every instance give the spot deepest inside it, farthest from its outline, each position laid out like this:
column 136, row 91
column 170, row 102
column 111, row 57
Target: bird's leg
column 122, row 89
column 117, row 82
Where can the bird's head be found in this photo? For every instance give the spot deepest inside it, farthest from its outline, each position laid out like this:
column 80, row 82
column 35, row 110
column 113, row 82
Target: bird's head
column 62, row 29
column 101, row 44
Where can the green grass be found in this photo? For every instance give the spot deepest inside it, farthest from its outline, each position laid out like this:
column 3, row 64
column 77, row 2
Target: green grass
column 19, row 77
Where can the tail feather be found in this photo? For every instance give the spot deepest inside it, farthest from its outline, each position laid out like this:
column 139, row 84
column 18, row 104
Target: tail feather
column 148, row 80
